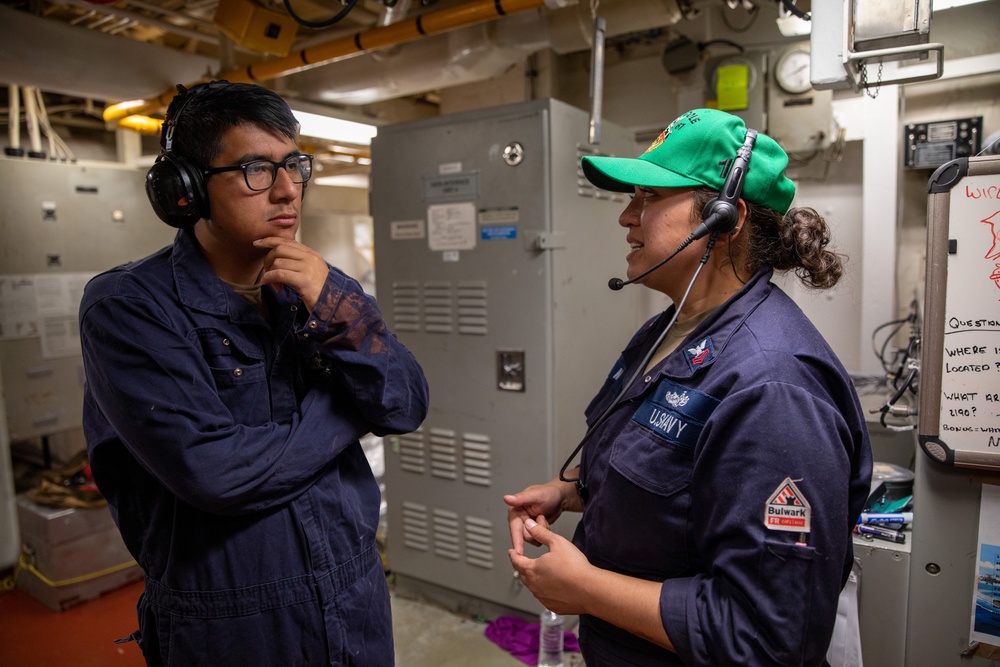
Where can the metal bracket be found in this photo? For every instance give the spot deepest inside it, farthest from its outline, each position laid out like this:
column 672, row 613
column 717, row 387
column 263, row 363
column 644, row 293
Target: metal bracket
column 855, row 55
column 854, row 61
column 545, row 240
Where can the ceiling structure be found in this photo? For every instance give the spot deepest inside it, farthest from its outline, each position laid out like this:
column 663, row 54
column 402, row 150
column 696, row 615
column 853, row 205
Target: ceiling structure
column 372, row 60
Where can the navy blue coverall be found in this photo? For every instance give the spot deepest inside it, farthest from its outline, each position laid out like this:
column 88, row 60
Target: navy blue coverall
column 752, row 421
column 227, row 446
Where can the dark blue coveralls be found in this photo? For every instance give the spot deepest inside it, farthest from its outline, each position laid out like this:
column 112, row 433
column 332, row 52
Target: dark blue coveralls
column 687, row 471
column 227, row 446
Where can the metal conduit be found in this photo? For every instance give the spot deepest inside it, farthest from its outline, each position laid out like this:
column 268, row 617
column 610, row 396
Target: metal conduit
column 111, row 11
column 406, row 30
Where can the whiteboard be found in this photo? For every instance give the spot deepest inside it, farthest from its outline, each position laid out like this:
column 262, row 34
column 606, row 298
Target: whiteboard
column 959, row 421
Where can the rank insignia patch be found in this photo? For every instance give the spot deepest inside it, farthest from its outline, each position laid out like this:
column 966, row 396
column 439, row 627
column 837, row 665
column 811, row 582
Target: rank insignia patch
column 700, row 353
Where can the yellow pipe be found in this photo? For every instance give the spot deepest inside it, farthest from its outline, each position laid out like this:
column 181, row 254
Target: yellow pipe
column 141, row 124
column 407, row 30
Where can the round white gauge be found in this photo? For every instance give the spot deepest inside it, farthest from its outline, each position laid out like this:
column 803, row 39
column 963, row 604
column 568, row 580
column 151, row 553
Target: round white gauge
column 791, row 72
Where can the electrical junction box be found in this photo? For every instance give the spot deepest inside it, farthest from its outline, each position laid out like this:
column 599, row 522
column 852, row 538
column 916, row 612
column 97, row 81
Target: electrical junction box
column 493, row 254
column 930, row 145
column 68, row 222
column 881, row 24
column 62, row 223
column 254, row 27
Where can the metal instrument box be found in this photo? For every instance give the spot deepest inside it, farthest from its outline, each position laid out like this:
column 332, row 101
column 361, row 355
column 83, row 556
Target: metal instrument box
column 255, row 27
column 493, row 255
column 79, row 552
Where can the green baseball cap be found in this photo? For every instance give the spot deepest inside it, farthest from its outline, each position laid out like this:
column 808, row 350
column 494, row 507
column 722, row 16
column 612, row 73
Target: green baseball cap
column 696, row 149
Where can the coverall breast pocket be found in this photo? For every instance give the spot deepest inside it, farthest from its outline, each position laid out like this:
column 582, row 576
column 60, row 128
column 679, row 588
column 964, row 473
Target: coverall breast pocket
column 652, row 462
column 653, row 478
column 239, row 373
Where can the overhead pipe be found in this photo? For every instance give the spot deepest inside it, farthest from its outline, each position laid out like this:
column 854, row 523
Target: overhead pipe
column 141, row 124
column 474, row 54
column 381, row 37
column 31, row 121
column 58, row 149
column 14, row 121
column 596, row 80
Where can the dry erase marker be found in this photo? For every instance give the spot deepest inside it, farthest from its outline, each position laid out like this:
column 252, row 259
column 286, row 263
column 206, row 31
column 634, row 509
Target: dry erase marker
column 882, row 533
column 893, row 518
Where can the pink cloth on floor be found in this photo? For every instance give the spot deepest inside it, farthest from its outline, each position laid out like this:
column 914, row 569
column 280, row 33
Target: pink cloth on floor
column 520, row 638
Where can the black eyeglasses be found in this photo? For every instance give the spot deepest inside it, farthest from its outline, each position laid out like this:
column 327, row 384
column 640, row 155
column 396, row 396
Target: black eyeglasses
column 260, row 174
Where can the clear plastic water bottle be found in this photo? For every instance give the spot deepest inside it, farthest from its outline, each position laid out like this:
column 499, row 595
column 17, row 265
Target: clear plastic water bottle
column 550, row 643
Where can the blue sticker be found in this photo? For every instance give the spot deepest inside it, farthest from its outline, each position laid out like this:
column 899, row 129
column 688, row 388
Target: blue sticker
column 676, row 412
column 492, row 233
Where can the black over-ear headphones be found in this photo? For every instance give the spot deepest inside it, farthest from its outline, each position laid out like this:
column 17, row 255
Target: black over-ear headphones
column 722, row 213
column 175, row 186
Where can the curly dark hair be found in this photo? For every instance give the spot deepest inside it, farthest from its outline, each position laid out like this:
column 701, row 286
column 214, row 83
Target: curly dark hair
column 796, row 241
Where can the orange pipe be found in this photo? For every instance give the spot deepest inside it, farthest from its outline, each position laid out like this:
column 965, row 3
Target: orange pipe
column 407, row 30
column 400, row 32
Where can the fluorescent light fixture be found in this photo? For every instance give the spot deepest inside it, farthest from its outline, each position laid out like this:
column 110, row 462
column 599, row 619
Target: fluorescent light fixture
column 938, row 5
column 130, row 104
column 334, row 129
column 343, row 181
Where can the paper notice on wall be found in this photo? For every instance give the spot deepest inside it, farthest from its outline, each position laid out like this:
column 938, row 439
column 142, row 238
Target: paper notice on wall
column 18, row 307
column 451, row 226
column 986, row 595
column 60, row 337
column 44, row 306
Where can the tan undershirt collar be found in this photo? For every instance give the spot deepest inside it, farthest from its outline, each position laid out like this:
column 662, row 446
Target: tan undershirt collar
column 677, row 333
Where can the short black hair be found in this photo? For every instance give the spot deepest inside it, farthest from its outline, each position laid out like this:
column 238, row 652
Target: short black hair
column 200, row 115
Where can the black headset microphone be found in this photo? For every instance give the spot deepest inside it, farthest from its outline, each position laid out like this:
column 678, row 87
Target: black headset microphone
column 719, row 216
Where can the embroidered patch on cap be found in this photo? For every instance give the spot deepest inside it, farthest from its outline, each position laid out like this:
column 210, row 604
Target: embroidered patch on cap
column 787, row 509
column 700, row 353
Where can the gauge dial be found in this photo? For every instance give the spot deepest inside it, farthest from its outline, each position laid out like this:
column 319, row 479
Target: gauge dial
column 792, row 70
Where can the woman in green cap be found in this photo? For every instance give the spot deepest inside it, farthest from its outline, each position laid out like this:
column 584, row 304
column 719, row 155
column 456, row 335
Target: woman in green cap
column 727, row 459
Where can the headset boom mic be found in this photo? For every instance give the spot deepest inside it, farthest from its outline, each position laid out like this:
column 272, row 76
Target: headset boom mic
column 719, row 216
column 617, row 283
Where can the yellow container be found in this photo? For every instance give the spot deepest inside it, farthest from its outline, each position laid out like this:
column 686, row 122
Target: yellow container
column 254, row 27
